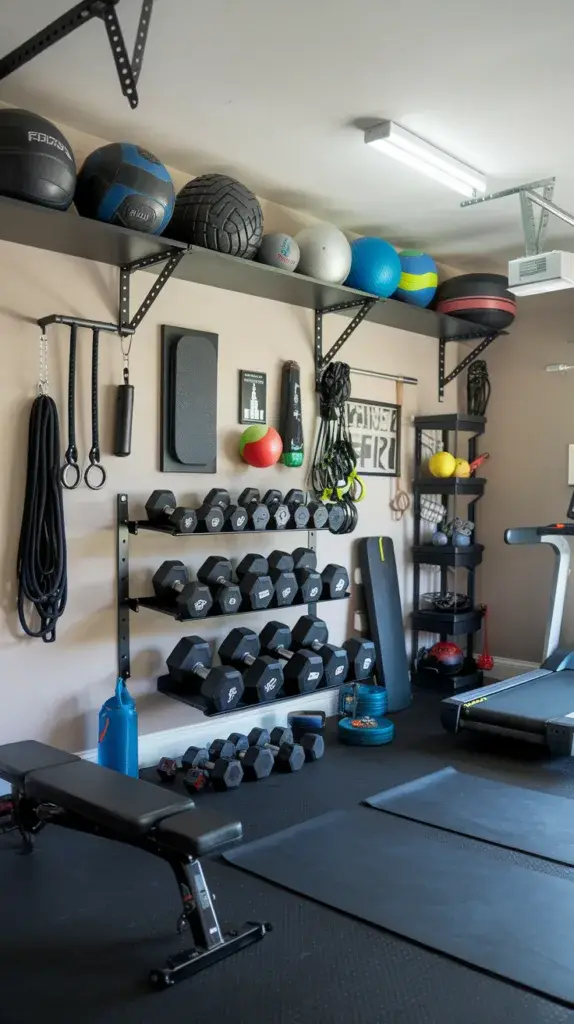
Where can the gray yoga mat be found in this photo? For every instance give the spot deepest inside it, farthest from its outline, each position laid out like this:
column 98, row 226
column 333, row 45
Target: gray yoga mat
column 520, row 819
column 454, row 896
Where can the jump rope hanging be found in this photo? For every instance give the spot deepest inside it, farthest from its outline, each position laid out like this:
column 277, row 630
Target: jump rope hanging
column 94, row 475
column 333, row 475
column 42, row 557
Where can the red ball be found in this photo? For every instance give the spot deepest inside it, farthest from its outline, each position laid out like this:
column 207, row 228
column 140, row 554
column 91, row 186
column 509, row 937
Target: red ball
column 260, row 446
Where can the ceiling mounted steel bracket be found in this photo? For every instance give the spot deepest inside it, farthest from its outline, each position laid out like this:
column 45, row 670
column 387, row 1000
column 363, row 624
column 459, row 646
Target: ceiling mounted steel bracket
column 530, row 196
column 128, row 71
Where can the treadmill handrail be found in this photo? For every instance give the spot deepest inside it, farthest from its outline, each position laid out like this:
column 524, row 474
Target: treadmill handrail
column 557, row 541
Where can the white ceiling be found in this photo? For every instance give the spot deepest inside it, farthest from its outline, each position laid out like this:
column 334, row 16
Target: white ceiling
column 278, row 92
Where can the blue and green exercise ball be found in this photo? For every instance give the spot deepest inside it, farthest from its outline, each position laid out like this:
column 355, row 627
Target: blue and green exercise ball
column 419, row 278
column 375, row 266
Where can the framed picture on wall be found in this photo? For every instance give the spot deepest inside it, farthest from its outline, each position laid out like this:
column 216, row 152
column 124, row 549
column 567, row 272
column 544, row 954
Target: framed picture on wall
column 375, row 429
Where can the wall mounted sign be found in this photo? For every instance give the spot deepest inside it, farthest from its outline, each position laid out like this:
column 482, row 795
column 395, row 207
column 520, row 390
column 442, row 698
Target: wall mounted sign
column 252, row 397
column 375, row 429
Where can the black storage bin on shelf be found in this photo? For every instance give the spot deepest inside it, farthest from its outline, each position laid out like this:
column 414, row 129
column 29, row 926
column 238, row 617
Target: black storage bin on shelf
column 446, row 624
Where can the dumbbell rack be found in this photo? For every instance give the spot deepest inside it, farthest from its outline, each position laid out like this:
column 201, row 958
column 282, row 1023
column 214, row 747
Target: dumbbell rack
column 126, row 527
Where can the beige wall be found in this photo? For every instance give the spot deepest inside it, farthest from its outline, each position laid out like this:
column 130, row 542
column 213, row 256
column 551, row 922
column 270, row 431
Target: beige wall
column 530, row 424
column 52, row 692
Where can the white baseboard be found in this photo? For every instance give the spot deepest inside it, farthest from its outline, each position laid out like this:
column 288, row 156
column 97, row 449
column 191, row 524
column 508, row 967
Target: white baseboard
column 505, row 668
column 173, row 742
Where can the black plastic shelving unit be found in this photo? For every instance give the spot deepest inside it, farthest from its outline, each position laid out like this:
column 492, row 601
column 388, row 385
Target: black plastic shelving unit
column 447, row 624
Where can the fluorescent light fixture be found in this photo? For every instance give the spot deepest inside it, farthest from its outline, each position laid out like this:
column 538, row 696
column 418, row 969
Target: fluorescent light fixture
column 558, row 367
column 390, row 138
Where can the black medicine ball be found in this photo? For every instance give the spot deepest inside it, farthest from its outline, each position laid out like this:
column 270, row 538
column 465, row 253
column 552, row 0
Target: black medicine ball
column 36, row 161
column 219, row 213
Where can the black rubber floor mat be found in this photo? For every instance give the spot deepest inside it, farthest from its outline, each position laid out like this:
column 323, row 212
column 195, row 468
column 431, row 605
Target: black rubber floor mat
column 511, row 921
column 519, row 819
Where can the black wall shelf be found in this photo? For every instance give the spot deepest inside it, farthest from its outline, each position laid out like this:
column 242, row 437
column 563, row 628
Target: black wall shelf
column 153, row 604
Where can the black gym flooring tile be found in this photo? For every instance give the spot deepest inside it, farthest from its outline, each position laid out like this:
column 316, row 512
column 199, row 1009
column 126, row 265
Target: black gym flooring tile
column 84, row 919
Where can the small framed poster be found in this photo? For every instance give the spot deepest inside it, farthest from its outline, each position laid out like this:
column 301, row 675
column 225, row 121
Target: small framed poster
column 375, row 429
column 252, row 397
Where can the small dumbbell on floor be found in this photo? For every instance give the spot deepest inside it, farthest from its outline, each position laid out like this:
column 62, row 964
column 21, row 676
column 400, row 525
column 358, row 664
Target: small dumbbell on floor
column 189, row 665
column 218, row 766
column 288, row 756
column 312, row 633
column 255, row 584
column 167, row 769
column 172, row 586
column 304, row 669
column 257, row 762
column 163, row 510
column 216, row 573
column 257, row 512
column 262, row 674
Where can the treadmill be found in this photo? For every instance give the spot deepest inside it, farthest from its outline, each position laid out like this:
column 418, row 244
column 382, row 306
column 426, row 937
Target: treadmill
column 537, row 706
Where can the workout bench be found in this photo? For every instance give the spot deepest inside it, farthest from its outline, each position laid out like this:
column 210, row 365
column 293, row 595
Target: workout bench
column 51, row 786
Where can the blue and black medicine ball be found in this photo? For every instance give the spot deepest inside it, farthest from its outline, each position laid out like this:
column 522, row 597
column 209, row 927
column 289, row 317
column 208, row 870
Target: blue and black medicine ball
column 124, row 184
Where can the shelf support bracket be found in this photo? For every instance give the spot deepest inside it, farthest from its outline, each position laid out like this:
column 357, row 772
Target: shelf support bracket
column 123, row 587
column 128, row 71
column 321, row 361
column 171, row 258
column 444, row 380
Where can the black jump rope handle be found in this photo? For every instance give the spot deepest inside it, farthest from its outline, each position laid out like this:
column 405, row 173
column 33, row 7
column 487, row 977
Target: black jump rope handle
column 124, row 417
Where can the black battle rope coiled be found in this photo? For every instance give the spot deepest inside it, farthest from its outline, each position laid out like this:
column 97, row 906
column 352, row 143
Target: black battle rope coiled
column 477, row 388
column 42, row 562
column 334, row 458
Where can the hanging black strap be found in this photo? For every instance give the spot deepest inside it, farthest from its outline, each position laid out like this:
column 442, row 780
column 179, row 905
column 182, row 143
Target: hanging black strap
column 70, row 472
column 95, row 475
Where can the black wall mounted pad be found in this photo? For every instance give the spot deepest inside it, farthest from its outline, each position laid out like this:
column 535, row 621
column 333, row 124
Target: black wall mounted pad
column 189, row 401
column 385, row 615
column 461, row 898
column 519, row 819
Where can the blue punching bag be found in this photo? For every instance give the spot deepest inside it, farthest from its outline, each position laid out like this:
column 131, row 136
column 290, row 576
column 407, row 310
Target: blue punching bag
column 118, row 732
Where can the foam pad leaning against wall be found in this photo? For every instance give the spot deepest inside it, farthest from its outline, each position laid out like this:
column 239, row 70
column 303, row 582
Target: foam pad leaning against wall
column 483, row 299
column 188, row 401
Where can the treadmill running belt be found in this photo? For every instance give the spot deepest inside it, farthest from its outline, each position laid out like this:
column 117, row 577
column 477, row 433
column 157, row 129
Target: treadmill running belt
column 540, row 699
column 453, row 895
column 521, row 819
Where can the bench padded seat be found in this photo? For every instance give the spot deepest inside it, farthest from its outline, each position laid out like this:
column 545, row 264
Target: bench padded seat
column 128, row 806
column 198, row 833
column 17, row 759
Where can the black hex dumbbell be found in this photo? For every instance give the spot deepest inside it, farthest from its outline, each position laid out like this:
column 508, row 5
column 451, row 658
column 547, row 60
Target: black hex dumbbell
column 337, row 517
column 190, row 663
column 312, row 633
column 162, row 509
column 202, row 766
column 335, row 581
column 314, row 746
column 304, row 558
column 298, row 511
column 255, row 583
column 279, row 514
column 257, row 762
column 310, row 585
column 262, row 675
column 304, row 669
column 210, row 518
column 257, row 512
column 172, row 586
column 362, row 656
column 288, row 756
column 216, row 573
column 318, row 514
column 167, row 769
column 234, row 516
column 283, row 578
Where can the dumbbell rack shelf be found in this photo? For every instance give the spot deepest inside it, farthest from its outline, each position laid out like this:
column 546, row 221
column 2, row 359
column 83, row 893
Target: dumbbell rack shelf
column 135, row 525
column 170, row 688
column 154, row 605
column 126, row 604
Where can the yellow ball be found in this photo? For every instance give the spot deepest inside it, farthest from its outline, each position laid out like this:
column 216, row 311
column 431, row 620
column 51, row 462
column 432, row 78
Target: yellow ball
column 462, row 468
column 442, row 464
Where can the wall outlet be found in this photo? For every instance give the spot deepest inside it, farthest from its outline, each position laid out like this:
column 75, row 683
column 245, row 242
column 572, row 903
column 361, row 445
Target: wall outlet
column 571, row 464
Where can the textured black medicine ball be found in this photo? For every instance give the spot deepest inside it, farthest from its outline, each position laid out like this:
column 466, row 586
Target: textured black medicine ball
column 36, row 161
column 218, row 212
